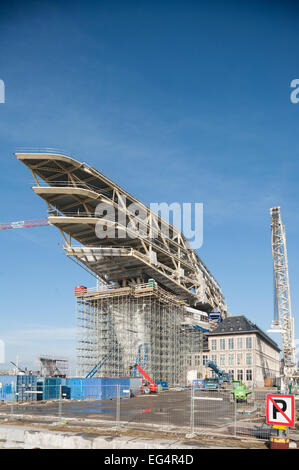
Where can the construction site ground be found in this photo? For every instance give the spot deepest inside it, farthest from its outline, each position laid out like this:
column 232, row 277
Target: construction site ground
column 19, row 435
column 161, row 421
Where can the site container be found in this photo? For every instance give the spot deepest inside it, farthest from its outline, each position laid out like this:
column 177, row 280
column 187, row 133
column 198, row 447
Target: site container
column 101, row 388
column 26, row 388
column 8, row 386
column 110, row 387
column 81, row 388
column 52, row 387
column 65, row 392
column 40, row 388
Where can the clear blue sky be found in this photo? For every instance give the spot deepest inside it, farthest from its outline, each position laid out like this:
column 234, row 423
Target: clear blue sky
column 175, row 101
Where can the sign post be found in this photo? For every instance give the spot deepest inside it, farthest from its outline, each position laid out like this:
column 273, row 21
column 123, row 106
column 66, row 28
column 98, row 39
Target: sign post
column 280, row 412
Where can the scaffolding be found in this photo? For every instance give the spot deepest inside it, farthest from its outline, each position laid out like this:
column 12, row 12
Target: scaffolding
column 53, row 366
column 138, row 324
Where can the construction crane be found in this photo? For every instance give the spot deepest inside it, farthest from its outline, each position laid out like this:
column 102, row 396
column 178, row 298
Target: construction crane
column 24, row 224
column 150, row 386
column 283, row 319
column 222, row 375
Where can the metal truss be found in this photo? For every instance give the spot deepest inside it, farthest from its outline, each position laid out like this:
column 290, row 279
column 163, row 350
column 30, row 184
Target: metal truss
column 73, row 191
column 283, row 320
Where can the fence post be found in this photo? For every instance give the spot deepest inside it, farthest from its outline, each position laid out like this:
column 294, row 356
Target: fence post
column 235, row 425
column 117, row 405
column 60, row 403
column 192, row 411
column 13, row 398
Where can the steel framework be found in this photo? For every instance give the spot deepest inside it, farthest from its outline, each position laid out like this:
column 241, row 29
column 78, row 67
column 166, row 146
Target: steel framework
column 73, row 191
column 283, row 318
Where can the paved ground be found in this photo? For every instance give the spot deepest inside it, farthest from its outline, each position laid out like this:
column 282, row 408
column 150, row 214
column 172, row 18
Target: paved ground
column 171, row 407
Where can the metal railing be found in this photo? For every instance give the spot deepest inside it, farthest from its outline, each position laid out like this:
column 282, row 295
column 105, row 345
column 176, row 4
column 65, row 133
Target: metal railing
column 50, row 150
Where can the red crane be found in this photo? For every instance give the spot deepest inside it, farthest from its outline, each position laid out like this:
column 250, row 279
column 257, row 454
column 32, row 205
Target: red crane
column 24, row 224
column 152, row 386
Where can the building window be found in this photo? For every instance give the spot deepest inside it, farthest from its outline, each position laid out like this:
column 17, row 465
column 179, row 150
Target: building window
column 222, row 360
column 240, row 343
column 231, row 343
column 231, row 373
column 231, row 359
column 249, row 343
column 249, row 375
column 197, row 360
column 214, row 358
column 239, row 359
column 222, row 344
column 248, row 359
column 189, row 360
column 239, row 374
column 204, row 359
column 214, row 345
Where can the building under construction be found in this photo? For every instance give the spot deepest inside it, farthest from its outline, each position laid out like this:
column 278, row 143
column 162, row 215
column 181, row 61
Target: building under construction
column 153, row 292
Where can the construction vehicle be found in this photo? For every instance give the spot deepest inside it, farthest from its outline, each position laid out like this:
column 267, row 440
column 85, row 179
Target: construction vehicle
column 213, row 383
column 222, row 375
column 208, row 383
column 150, row 386
column 283, row 322
column 239, row 391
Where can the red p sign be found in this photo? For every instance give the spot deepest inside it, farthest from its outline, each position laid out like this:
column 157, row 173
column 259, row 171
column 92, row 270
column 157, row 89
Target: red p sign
column 280, row 409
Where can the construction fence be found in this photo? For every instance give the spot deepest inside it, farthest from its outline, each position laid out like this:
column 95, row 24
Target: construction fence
column 186, row 411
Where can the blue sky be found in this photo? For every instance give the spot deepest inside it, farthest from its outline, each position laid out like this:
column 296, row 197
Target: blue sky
column 175, row 101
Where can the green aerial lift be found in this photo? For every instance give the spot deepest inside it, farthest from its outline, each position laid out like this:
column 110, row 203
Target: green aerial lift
column 239, row 391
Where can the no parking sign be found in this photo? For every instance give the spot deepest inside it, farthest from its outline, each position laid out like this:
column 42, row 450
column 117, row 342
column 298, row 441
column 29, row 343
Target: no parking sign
column 280, row 409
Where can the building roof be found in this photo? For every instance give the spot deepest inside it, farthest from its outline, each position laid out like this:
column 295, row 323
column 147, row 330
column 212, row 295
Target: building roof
column 240, row 325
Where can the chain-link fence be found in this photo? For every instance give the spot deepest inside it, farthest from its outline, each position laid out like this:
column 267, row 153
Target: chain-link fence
column 221, row 413
column 187, row 411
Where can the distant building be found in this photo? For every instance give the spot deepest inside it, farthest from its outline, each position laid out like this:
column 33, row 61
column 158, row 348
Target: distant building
column 241, row 348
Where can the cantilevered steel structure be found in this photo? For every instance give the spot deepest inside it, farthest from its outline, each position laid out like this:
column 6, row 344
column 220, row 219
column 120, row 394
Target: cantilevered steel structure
column 72, row 191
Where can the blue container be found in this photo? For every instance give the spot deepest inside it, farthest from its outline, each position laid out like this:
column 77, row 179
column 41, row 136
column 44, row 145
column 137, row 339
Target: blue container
column 76, row 388
column 110, row 387
column 81, row 388
column 8, row 386
column 99, row 388
column 26, row 388
column 66, row 392
column 52, row 386
column 40, row 388
column 93, row 388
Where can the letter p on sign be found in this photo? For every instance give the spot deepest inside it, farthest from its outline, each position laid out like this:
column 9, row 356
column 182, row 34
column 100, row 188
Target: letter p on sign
column 280, row 409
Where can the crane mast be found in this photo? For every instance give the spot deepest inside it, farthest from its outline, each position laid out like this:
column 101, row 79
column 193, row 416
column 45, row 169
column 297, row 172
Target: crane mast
column 283, row 320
